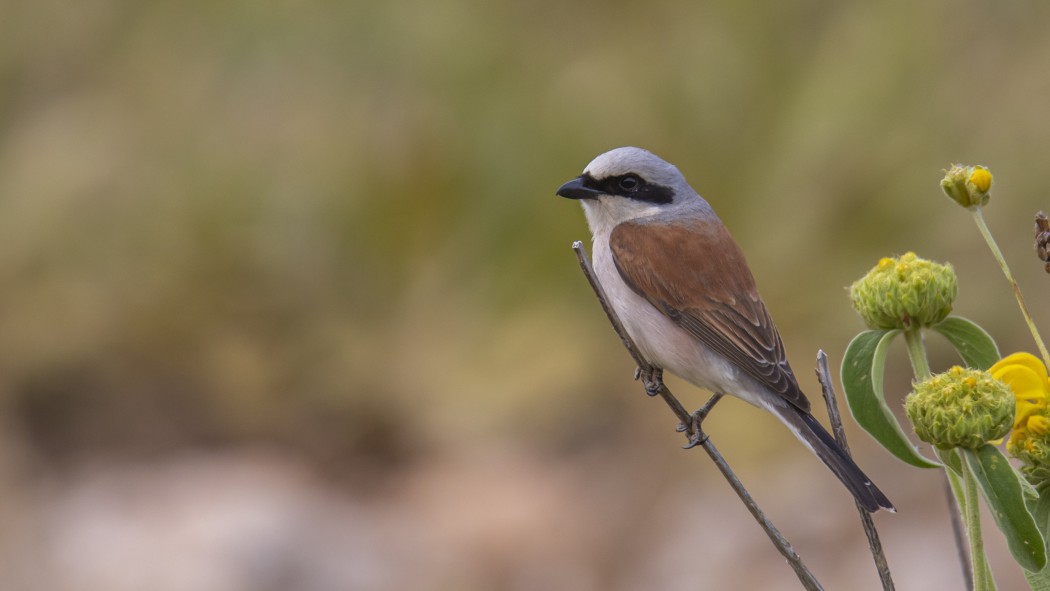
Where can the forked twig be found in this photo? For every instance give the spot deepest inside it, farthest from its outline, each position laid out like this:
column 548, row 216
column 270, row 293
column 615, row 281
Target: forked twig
column 691, row 426
column 828, row 388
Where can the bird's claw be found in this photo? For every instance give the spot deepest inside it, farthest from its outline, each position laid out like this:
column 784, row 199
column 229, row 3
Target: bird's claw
column 652, row 379
column 698, row 437
column 692, row 429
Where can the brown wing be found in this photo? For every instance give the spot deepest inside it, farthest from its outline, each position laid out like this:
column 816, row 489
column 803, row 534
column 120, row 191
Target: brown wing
column 696, row 274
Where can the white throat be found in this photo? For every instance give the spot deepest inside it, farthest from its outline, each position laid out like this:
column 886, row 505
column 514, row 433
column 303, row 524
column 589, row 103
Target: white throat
column 606, row 213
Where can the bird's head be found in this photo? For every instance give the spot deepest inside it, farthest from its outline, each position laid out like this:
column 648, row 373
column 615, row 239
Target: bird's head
column 626, row 184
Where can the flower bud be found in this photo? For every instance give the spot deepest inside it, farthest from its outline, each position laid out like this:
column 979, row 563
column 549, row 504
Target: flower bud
column 905, row 292
column 1034, row 452
column 960, row 408
column 969, row 186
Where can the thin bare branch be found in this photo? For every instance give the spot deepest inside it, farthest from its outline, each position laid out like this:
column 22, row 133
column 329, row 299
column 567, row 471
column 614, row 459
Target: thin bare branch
column 828, row 388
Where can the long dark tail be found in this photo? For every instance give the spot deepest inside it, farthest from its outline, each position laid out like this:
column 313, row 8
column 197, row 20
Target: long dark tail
column 823, row 444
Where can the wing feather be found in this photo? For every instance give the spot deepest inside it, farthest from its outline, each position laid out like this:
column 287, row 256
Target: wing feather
column 695, row 274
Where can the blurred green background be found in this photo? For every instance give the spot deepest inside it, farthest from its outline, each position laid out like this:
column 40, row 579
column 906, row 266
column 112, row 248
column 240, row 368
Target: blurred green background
column 287, row 300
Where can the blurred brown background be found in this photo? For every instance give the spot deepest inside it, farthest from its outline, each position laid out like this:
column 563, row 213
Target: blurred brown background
column 287, row 300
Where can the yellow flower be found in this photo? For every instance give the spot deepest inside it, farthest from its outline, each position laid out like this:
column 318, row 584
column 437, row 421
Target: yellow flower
column 969, row 186
column 1038, row 425
column 1016, row 438
column 1030, row 441
column 981, row 178
column 1026, row 376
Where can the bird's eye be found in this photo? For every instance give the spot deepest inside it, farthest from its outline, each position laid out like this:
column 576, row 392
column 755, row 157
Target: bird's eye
column 630, row 182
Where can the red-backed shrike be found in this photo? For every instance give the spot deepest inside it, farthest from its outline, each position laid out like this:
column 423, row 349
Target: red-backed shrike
column 684, row 292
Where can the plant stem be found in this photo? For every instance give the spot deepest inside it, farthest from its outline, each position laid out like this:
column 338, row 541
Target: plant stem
column 955, row 498
column 917, row 353
column 921, row 367
column 982, row 573
column 978, row 217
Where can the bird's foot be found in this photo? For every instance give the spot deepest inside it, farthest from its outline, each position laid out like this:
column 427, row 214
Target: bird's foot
column 698, row 437
column 652, row 378
column 693, row 428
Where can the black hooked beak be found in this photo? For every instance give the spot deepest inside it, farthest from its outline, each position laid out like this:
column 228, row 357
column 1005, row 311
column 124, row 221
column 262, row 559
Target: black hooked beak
column 578, row 188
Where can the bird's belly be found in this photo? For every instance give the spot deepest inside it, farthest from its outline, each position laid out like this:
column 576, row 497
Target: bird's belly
column 663, row 342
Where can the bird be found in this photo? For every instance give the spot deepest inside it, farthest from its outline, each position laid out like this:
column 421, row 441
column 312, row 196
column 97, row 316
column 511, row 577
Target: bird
column 684, row 293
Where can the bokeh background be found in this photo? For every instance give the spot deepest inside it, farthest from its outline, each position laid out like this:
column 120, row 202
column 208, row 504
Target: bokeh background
column 287, row 300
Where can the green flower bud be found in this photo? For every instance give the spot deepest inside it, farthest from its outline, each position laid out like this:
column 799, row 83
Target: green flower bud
column 905, row 292
column 960, row 408
column 969, row 186
column 1030, row 443
column 1033, row 450
column 1036, row 475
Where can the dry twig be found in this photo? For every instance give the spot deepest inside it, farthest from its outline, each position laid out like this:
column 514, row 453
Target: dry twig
column 828, row 388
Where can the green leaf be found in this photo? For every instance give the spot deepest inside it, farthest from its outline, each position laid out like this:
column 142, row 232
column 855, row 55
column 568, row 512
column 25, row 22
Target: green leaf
column 950, row 459
column 1039, row 581
column 862, row 371
column 1040, row 509
column 976, row 346
column 1000, row 484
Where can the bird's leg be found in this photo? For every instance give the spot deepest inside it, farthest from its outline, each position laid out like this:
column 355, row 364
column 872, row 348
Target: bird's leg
column 696, row 434
column 652, row 378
